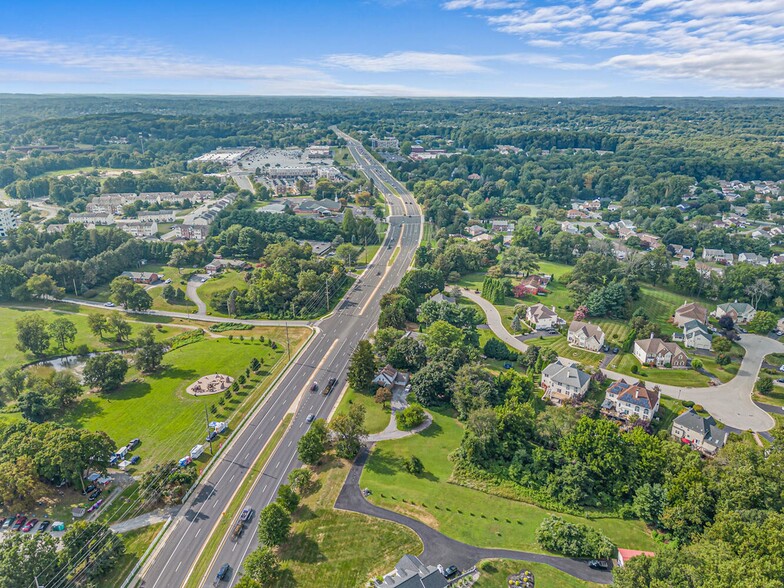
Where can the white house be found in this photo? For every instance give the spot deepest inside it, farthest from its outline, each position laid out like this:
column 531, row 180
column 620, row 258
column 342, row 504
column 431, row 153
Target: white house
column 562, row 382
column 655, row 351
column 753, row 259
column 140, row 230
column 696, row 335
column 585, row 336
column 88, row 218
column 740, row 312
column 390, row 377
column 541, row 317
column 159, row 216
column 625, row 399
column 8, row 221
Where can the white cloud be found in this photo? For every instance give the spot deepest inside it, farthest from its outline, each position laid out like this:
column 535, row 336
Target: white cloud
column 446, row 63
column 480, row 4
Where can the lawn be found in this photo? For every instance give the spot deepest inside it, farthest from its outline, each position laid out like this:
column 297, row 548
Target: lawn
column 674, row 377
column 493, row 574
column 376, row 417
column 160, row 303
column 463, row 513
column 223, row 281
column 559, row 344
column 659, row 305
column 136, row 543
column 157, row 409
column 329, row 547
column 669, row 408
column 12, row 356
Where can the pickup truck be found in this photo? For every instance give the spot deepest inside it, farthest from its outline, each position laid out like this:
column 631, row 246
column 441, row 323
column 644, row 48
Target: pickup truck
column 330, row 386
column 238, row 529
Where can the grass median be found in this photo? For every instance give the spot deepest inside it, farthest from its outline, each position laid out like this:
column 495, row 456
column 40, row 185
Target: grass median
column 394, row 256
column 202, row 564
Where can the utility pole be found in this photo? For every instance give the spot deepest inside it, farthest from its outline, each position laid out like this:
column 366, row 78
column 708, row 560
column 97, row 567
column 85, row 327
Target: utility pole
column 75, row 291
column 366, row 250
column 207, row 419
column 327, row 284
column 288, row 347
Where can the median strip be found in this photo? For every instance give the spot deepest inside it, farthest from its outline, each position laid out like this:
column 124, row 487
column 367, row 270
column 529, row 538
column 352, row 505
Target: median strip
column 394, row 256
column 219, row 532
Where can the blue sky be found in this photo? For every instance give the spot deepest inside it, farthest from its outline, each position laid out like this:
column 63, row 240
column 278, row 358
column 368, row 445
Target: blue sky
column 396, row 47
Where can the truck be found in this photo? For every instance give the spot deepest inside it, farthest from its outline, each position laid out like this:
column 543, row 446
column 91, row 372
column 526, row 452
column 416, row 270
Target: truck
column 237, row 530
column 185, row 461
column 197, row 451
column 330, row 386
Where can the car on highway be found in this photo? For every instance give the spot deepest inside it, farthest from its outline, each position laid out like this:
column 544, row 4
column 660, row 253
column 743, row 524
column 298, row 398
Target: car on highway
column 598, row 564
column 29, row 525
column 109, row 304
column 247, row 514
column 311, row 417
column 223, row 573
column 44, row 526
column 314, row 387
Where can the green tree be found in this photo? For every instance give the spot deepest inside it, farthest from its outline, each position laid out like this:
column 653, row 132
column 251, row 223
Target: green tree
column 288, row 498
column 572, row 540
column 349, row 430
column 10, row 279
column 97, row 323
column 649, row 501
column 721, row 344
column 105, row 371
column 413, row 465
column 519, row 260
column 362, row 367
column 262, row 566
column 441, row 335
column 93, row 545
column 26, row 558
column 63, row 331
column 149, row 353
column 117, row 323
column 300, row 479
column 696, row 364
column 13, row 381
column 763, row 322
column 764, row 385
column 43, row 286
column 32, row 334
column 121, row 289
column 312, row 445
column 274, row 525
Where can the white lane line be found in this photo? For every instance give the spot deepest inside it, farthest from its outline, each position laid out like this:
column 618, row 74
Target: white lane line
column 197, row 533
column 178, row 566
column 232, row 479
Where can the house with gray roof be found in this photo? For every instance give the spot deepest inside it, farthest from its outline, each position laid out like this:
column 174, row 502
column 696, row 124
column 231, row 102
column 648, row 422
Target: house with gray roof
column 740, row 312
column 624, row 400
column 563, row 382
column 585, row 336
column 700, row 432
column 441, row 297
column 696, row 335
column 410, row 572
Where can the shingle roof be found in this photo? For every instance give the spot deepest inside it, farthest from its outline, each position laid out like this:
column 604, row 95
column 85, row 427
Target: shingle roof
column 566, row 375
column 589, row 329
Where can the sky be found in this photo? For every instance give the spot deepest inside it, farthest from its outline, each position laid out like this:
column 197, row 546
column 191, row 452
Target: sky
column 564, row 48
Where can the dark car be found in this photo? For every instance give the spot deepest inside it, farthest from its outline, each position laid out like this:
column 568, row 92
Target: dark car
column 44, row 526
column 133, row 444
column 615, row 350
column 605, row 348
column 450, row 571
column 211, row 436
column 89, row 489
column 314, row 387
column 94, row 495
column 223, row 572
column 598, row 564
column 247, row 514
column 135, row 459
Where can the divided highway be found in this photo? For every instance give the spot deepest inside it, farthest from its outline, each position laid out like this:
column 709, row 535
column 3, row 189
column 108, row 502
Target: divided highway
column 326, row 356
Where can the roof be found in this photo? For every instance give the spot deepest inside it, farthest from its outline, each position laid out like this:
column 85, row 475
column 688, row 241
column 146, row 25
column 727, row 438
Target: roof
column 627, row 554
column 589, row 329
column 441, row 297
column 695, row 325
column 410, row 572
column 657, row 346
column 638, row 395
column 692, row 310
column 703, row 426
column 541, row 311
column 139, row 275
column 566, row 375
column 739, row 307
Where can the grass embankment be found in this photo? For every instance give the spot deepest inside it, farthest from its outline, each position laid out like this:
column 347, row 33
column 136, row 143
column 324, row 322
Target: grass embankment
column 330, row 547
column 463, row 513
column 202, row 565
column 776, row 397
column 376, row 416
column 493, row 574
column 223, row 281
column 136, row 543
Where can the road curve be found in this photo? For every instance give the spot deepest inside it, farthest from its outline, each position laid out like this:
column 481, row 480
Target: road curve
column 729, row 403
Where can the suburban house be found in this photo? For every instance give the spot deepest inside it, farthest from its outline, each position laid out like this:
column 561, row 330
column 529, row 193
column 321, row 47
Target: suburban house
column 697, row 336
column 191, row 232
column 568, row 227
column 195, row 195
column 324, row 207
column 139, row 229
column 740, row 312
column 753, row 259
column 700, row 432
column 443, row 298
column 218, row 264
column 718, row 256
column 410, row 572
column 576, row 214
column 159, row 216
column 390, row 377
column 585, row 336
column 91, row 218
column 690, row 311
column 659, row 353
column 650, row 241
column 564, row 382
column 624, row 228
column 533, row 285
column 541, row 317
column 475, row 230
column 501, row 226
column 777, row 259
column 142, row 277
column 320, row 248
column 624, row 400
column 625, row 555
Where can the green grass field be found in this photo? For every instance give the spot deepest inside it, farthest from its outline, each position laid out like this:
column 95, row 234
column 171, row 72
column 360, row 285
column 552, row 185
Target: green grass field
column 493, row 574
column 136, row 543
column 463, row 513
column 675, row 377
column 376, row 417
column 329, row 547
column 160, row 303
column 562, row 348
column 223, row 281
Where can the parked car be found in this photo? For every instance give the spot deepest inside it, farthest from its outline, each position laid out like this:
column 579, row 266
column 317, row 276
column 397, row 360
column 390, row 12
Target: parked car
column 133, row 444
column 44, row 526
column 780, row 381
column 247, row 515
column 598, row 564
column 29, row 525
column 135, row 459
column 94, row 495
column 95, row 506
column 8, row 522
column 223, row 572
column 311, row 417
column 114, row 459
column 20, row 520
column 211, row 436
column 109, row 304
column 167, row 281
column 605, row 348
column 451, row 571
column 615, row 350
column 89, row 489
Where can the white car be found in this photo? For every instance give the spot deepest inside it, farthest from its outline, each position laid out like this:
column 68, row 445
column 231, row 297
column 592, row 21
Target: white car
column 167, row 281
column 109, row 304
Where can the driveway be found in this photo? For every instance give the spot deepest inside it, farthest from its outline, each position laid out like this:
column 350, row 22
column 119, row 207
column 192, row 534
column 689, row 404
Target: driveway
column 729, row 403
column 190, row 291
column 440, row 549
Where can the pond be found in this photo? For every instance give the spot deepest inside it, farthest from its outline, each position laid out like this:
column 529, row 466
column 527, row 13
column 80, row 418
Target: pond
column 74, row 363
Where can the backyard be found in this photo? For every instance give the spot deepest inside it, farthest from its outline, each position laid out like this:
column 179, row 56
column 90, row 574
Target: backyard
column 463, row 513
column 493, row 574
column 376, row 416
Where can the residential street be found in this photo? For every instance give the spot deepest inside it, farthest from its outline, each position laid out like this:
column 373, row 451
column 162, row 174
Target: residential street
column 191, row 292
column 729, row 403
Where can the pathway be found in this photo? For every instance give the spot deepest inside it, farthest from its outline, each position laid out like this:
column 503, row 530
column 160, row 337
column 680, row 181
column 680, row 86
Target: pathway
column 729, row 403
column 190, row 291
column 151, row 518
column 398, row 403
column 440, row 549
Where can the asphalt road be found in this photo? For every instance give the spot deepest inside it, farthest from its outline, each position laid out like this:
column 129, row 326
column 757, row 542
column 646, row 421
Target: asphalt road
column 326, row 356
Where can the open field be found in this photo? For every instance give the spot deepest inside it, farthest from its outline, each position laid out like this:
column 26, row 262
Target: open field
column 223, row 281
column 675, row 377
column 460, row 512
column 495, row 571
column 136, row 543
column 559, row 344
column 329, row 547
column 376, row 417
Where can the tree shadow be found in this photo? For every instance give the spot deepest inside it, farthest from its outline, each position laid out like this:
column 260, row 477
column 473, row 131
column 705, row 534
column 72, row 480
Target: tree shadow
column 384, row 464
column 434, row 430
column 304, row 513
column 302, row 548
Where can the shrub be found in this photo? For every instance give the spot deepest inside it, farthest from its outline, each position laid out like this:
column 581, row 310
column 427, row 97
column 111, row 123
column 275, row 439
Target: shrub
column 687, row 403
column 410, row 417
column 635, row 369
column 495, row 349
column 698, row 407
column 413, row 465
column 572, row 540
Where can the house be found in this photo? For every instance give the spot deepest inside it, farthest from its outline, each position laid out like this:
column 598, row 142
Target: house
column 650, row 241
column 564, row 382
column 218, row 264
column 568, row 227
column 718, row 256
column 585, row 336
column 501, row 226
column 481, row 238
column 322, row 207
column 159, row 216
column 533, row 285
column 191, row 232
column 625, row 555
column 142, row 277
column 624, row 400
column 740, row 312
column 753, row 259
column 196, row 195
column 700, row 432
column 389, row 377
column 690, row 311
column 777, row 259
column 410, row 572
column 274, row 208
column 540, row 317
column 140, row 230
column 697, row 336
column 89, row 218
column 320, row 248
column 443, row 298
column 475, row 230
column 576, row 214
column 623, row 224
column 659, row 353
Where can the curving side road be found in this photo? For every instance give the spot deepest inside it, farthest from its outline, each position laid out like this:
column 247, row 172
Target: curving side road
column 440, row 549
column 729, row 403
column 191, row 292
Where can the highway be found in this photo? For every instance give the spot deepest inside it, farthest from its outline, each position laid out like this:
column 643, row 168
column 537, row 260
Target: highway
column 326, row 356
